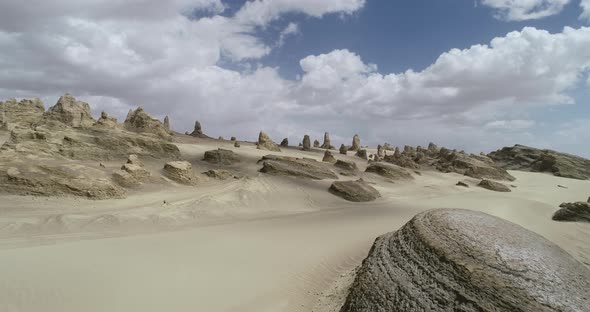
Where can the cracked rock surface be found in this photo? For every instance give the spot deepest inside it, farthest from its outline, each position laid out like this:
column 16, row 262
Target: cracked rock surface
column 462, row 260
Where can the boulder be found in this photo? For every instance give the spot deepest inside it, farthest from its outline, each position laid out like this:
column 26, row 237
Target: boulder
column 578, row 211
column 356, row 143
column 70, row 112
column 362, row 153
column 134, row 160
column 23, row 114
column 380, row 152
column 494, row 186
column 297, row 167
column 106, row 121
column 346, row 165
column 125, row 179
column 136, row 171
column 221, row 157
column 285, row 142
column 233, row 139
column 524, row 158
column 389, row 171
column 198, row 131
column 328, row 157
column 265, row 143
column 167, row 123
column 327, row 144
column 237, row 144
column 355, row 191
column 181, row 172
column 474, row 166
column 463, row 184
column 463, row 260
column 343, row 149
column 141, row 122
column 306, row 143
column 316, row 143
column 219, row 174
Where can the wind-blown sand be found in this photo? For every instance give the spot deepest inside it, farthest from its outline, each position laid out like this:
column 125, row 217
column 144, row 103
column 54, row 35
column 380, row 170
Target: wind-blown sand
column 260, row 243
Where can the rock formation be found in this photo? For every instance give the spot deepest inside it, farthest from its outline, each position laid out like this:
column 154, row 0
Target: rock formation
column 306, row 143
column 70, row 112
column 362, row 153
column 167, row 123
column 327, row 144
column 356, row 143
column 132, row 173
column 106, row 121
column 520, row 157
column 389, row 171
column 181, row 172
column 316, row 143
column 265, row 143
column 198, row 131
column 237, row 144
column 343, row 149
column 494, row 186
column 233, row 139
column 355, row 191
column 388, row 147
column 221, row 157
column 328, row 157
column 141, row 122
column 297, row 167
column 578, row 211
column 380, row 152
column 219, row 174
column 462, row 260
column 23, row 114
column 346, row 165
column 463, row 184
column 475, row 166
column 285, row 142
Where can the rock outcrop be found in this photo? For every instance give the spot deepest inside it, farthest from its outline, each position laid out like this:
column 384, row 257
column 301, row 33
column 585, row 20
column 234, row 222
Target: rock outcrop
column 327, row 144
column 132, row 173
column 285, row 142
column 266, row 143
column 577, row 212
column 494, row 186
column 316, row 143
column 237, row 144
column 167, row 123
column 106, row 121
column 524, row 158
column 70, row 112
column 356, row 143
column 462, row 260
column 221, row 157
column 306, row 143
column 362, row 153
column 198, row 131
column 389, row 171
column 328, row 157
column 181, row 172
column 22, row 114
column 355, row 191
column 141, row 122
column 475, row 166
column 343, row 149
column 346, row 165
column 297, row 167
column 463, row 184
column 219, row 174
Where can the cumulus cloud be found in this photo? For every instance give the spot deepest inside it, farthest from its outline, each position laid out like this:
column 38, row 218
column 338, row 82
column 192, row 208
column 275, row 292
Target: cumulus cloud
column 521, row 10
column 585, row 5
column 290, row 30
column 172, row 63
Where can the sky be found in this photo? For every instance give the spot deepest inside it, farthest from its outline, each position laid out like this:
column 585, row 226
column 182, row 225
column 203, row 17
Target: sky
column 475, row 75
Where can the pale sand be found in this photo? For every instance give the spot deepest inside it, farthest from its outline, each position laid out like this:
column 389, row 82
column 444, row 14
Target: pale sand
column 260, row 243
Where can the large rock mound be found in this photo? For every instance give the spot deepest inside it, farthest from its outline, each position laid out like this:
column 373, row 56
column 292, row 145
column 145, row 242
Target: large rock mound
column 355, row 191
column 520, row 157
column 494, row 186
column 578, row 211
column 297, row 167
column 266, row 143
column 181, row 172
column 141, row 122
column 389, row 171
column 24, row 113
column 70, row 112
column 221, row 156
column 461, row 260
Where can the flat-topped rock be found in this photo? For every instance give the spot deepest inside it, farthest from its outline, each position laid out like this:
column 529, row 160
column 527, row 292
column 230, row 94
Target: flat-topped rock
column 494, row 186
column 221, row 157
column 297, row 167
column 578, row 211
column 346, row 165
column 389, row 171
column 462, row 260
column 355, row 191
column 181, row 172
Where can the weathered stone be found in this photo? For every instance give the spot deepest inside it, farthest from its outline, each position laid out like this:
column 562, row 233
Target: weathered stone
column 316, row 143
column 474, row 166
column 388, row 147
column 327, row 144
column 520, row 157
column 343, row 149
column 355, row 191
column 24, row 113
column 346, row 165
column 285, row 142
column 578, row 211
column 70, row 112
column 221, row 157
column 306, row 143
column 219, row 174
column 380, row 152
column 389, row 171
column 462, row 260
column 328, row 157
column 141, row 122
column 265, row 143
column 297, row 167
column 106, row 121
column 167, row 123
column 237, row 144
column 463, row 184
column 356, row 143
column 134, row 159
column 181, row 172
column 362, row 153
column 125, row 179
column 494, row 186
column 138, row 172
column 198, row 131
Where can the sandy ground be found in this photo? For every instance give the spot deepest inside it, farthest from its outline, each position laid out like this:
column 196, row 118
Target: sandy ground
column 258, row 243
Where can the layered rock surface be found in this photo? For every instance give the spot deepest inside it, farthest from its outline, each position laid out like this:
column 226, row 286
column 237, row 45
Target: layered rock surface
column 355, row 191
column 266, row 143
column 221, row 156
column 461, row 260
column 578, row 211
column 520, row 157
column 389, row 171
column 141, row 122
column 297, row 167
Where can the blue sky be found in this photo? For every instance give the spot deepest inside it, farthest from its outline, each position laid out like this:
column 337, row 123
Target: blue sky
column 473, row 75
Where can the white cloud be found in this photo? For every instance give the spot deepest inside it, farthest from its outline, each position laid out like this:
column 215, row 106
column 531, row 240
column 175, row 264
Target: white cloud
column 290, row 30
column 521, row 10
column 585, row 5
column 515, row 124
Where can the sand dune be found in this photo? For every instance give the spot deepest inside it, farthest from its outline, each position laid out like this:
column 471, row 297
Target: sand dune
column 259, row 243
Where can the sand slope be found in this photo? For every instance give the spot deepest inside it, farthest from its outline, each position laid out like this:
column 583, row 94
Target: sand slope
column 260, row 243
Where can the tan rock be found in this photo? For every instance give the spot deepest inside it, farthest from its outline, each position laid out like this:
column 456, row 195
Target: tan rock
column 181, row 172
column 70, row 112
column 266, row 143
